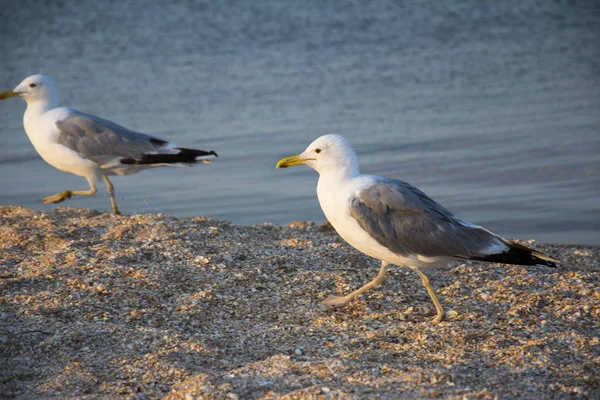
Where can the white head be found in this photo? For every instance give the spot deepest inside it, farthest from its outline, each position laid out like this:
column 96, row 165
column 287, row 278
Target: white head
column 34, row 88
column 327, row 154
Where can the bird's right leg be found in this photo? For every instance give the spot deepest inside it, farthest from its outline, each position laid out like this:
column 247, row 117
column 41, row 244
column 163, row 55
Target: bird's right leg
column 340, row 301
column 440, row 311
column 67, row 194
column 111, row 191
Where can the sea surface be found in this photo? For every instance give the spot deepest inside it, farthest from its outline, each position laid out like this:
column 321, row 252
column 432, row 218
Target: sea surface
column 492, row 108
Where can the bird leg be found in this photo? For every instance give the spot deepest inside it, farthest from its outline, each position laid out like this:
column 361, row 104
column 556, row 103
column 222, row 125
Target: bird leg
column 111, row 191
column 440, row 311
column 67, row 194
column 340, row 301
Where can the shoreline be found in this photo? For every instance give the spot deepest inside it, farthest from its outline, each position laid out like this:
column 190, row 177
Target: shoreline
column 145, row 306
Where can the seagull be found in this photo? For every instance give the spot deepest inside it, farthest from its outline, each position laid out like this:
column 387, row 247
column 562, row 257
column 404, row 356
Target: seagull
column 397, row 223
column 89, row 146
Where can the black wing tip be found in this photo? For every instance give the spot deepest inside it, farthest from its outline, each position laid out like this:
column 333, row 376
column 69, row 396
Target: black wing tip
column 521, row 255
column 196, row 152
column 547, row 263
column 158, row 142
column 184, row 156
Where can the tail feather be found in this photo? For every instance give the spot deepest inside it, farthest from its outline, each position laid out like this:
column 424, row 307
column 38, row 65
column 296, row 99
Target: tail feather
column 520, row 255
column 183, row 156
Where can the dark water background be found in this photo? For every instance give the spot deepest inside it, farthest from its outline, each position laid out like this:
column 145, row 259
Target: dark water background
column 492, row 108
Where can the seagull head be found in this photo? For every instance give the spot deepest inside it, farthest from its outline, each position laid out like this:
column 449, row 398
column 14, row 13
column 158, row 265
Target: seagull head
column 329, row 153
column 33, row 88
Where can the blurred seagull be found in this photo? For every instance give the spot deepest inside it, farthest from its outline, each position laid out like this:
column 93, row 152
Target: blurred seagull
column 396, row 222
column 89, row 146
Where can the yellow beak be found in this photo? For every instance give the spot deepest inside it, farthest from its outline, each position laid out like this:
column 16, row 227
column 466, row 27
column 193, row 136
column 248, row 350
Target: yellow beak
column 8, row 94
column 291, row 161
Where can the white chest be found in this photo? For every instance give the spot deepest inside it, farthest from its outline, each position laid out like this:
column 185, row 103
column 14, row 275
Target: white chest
column 42, row 133
column 335, row 202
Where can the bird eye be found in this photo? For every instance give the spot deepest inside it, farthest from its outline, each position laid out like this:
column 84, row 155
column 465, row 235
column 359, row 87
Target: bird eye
column 317, row 150
column 32, row 85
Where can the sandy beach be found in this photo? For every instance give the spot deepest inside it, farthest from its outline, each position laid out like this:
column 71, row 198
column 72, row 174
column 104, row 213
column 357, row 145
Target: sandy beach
column 94, row 305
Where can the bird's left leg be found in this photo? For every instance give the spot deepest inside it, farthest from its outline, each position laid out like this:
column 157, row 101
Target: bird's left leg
column 340, row 301
column 67, row 194
column 111, row 191
column 440, row 311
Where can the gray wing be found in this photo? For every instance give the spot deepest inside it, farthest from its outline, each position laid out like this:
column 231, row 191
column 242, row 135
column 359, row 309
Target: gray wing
column 408, row 222
column 104, row 141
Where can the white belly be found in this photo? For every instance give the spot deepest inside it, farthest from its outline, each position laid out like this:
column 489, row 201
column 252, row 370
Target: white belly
column 67, row 160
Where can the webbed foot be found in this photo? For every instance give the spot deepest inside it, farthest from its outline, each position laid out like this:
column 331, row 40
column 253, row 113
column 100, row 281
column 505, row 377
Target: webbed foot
column 58, row 197
column 336, row 301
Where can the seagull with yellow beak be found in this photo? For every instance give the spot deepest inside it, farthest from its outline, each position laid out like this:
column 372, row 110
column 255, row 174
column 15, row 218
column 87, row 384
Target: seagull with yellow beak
column 397, row 223
column 89, row 146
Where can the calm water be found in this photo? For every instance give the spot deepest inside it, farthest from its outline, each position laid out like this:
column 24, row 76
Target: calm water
column 491, row 108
